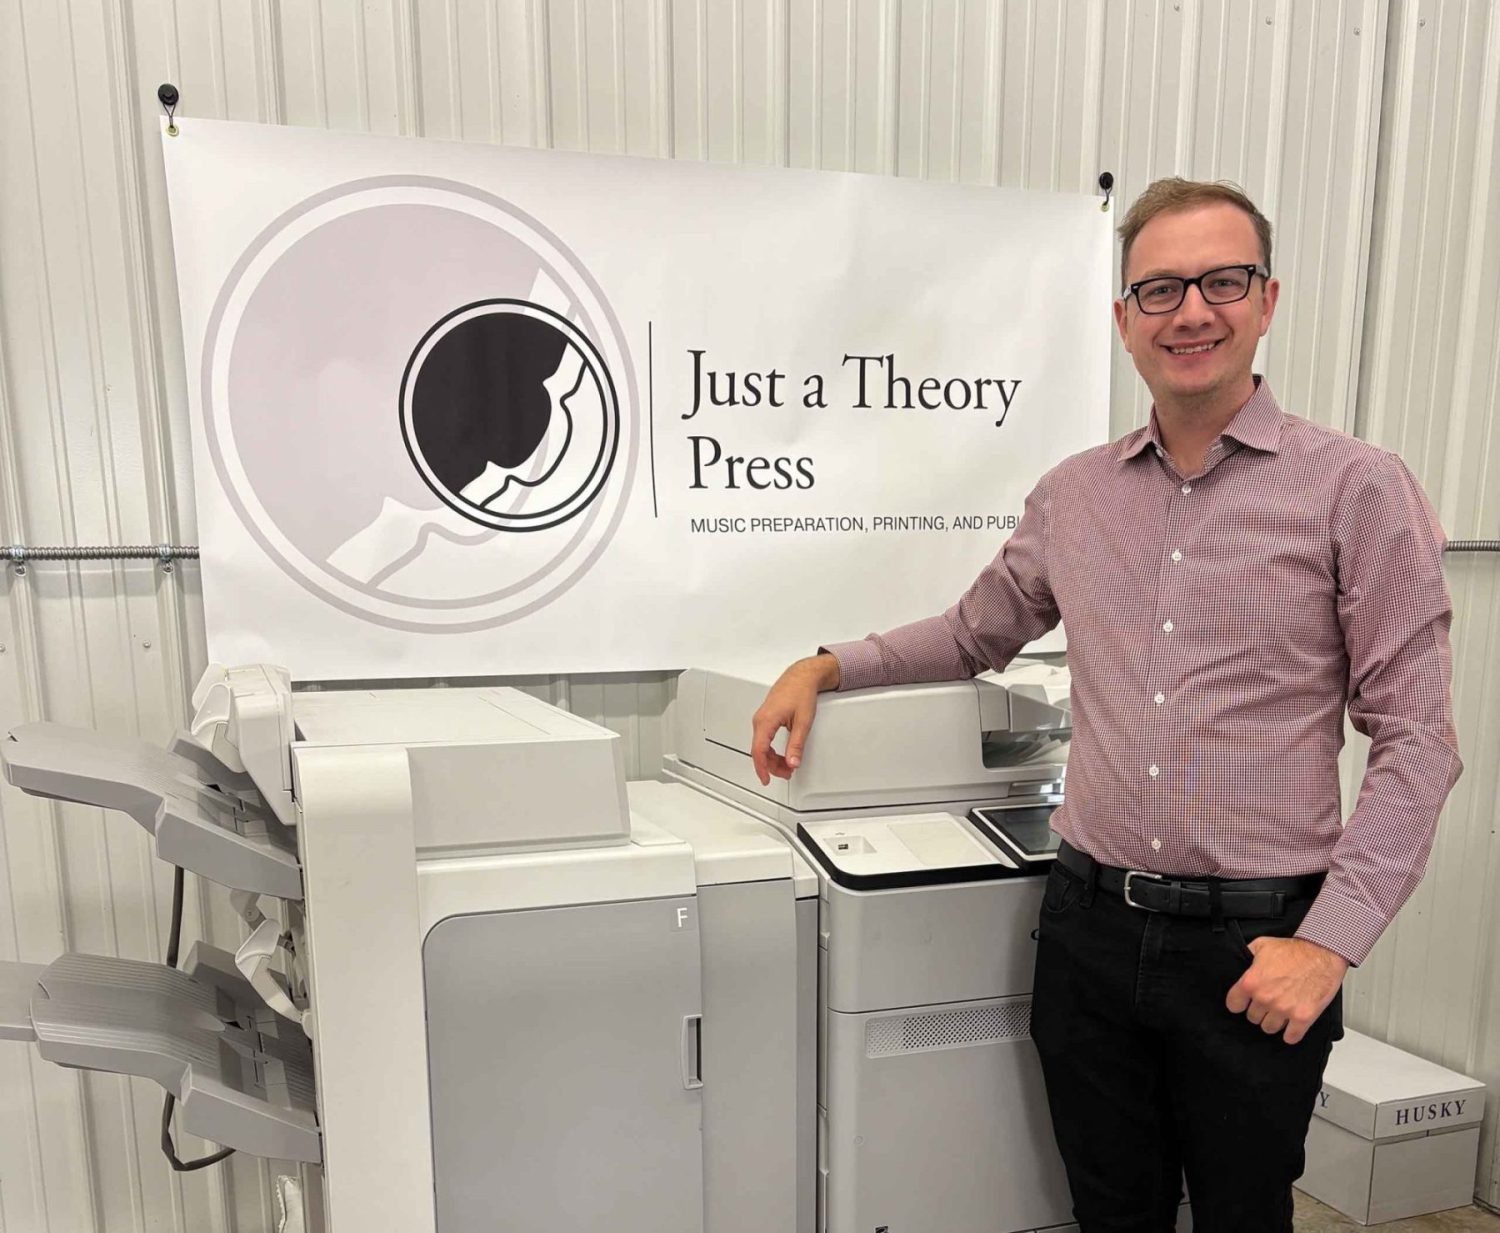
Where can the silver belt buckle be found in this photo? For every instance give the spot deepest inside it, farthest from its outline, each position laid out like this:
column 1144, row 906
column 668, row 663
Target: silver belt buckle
column 1140, row 873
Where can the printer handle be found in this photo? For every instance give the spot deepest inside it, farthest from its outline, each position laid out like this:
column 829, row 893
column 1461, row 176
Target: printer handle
column 692, row 1051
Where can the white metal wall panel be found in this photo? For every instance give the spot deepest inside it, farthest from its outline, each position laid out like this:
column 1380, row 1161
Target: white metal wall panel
column 91, row 645
column 1430, row 391
column 1281, row 95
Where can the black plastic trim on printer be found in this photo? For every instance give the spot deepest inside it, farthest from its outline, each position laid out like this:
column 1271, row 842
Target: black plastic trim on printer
column 908, row 877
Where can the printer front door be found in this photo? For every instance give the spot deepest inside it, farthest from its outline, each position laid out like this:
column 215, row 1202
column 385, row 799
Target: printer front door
column 565, row 1083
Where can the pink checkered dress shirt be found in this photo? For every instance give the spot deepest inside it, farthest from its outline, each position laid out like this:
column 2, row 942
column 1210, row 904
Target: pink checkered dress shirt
column 1218, row 624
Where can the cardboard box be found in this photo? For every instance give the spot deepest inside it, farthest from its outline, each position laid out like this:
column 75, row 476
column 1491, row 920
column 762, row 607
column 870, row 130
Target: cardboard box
column 1392, row 1135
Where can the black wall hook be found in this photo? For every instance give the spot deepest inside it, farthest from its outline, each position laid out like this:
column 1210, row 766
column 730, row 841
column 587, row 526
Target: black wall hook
column 1107, row 184
column 167, row 95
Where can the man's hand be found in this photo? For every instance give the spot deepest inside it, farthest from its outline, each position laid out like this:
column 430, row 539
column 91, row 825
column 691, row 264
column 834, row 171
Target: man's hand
column 1289, row 985
column 790, row 704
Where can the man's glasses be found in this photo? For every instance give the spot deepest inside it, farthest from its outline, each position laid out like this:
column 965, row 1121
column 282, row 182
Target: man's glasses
column 1226, row 285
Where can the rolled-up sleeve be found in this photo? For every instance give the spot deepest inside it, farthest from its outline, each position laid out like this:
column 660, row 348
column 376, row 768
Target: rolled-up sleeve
column 1008, row 605
column 1395, row 612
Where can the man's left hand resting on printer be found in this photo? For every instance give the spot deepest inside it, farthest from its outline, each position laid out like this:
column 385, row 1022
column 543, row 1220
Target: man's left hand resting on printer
column 790, row 704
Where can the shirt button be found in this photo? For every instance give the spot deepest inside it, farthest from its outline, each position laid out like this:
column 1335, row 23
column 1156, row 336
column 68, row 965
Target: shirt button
column 1153, row 771
column 1186, row 488
column 1159, row 699
column 1156, row 845
column 1167, row 626
column 1177, row 555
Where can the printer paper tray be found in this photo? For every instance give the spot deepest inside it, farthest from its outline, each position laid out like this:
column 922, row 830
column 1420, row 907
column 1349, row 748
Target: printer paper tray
column 242, row 1075
column 194, row 824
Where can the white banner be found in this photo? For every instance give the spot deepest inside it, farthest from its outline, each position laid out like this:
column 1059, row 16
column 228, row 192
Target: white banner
column 462, row 410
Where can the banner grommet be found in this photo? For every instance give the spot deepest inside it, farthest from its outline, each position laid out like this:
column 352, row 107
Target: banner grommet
column 167, row 95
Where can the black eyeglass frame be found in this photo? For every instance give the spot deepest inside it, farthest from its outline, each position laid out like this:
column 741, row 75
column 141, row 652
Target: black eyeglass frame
column 1134, row 289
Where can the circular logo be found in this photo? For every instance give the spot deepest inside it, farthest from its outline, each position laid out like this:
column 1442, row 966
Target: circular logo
column 510, row 415
column 399, row 375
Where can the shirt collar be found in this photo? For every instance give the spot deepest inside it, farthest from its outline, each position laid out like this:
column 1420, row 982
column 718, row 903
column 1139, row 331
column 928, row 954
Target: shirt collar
column 1256, row 424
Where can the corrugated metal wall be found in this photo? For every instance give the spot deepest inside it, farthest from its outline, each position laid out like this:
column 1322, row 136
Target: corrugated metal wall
column 1430, row 389
column 1367, row 128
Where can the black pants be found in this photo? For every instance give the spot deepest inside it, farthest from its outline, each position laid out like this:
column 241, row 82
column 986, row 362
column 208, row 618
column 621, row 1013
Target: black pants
column 1150, row 1077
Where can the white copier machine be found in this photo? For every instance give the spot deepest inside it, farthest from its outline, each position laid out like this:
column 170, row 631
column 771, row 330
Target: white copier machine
column 924, row 809
column 485, row 987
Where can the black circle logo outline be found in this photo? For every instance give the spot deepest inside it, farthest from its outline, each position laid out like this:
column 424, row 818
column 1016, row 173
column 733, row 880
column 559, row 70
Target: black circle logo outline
column 451, row 500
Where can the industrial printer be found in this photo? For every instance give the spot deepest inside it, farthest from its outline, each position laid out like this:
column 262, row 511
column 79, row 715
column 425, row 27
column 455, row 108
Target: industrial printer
column 475, row 993
column 924, row 810
column 487, row 985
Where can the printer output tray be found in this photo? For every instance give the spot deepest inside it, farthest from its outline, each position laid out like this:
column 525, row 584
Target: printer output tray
column 194, row 824
column 242, row 1075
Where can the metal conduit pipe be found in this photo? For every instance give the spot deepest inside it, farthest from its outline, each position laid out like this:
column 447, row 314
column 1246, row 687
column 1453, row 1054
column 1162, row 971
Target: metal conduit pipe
column 164, row 554
column 19, row 554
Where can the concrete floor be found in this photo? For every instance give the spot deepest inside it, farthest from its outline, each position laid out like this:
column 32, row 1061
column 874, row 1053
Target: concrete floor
column 1314, row 1217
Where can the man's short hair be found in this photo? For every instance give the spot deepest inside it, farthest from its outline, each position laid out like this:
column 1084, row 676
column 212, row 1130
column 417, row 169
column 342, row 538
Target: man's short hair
column 1172, row 194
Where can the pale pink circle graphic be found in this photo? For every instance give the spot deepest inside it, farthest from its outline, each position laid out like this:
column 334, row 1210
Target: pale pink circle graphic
column 306, row 405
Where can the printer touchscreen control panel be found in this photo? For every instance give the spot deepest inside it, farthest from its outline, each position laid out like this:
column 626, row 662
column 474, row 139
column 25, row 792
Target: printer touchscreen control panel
column 1024, row 834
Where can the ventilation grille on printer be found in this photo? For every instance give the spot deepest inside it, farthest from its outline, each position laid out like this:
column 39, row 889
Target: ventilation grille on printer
column 948, row 1029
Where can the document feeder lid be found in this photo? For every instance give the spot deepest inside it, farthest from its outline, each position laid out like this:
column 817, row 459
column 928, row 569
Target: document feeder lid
column 942, row 745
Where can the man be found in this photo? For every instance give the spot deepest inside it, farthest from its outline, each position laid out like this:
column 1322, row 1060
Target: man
column 1230, row 577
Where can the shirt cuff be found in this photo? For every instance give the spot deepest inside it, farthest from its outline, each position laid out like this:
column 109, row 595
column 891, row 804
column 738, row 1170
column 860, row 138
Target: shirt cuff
column 1342, row 925
column 860, row 664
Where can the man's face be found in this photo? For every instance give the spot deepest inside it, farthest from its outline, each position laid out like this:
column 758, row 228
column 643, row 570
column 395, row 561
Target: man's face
column 1168, row 348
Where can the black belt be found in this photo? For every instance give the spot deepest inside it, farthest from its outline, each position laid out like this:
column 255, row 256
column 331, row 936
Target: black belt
column 1156, row 892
